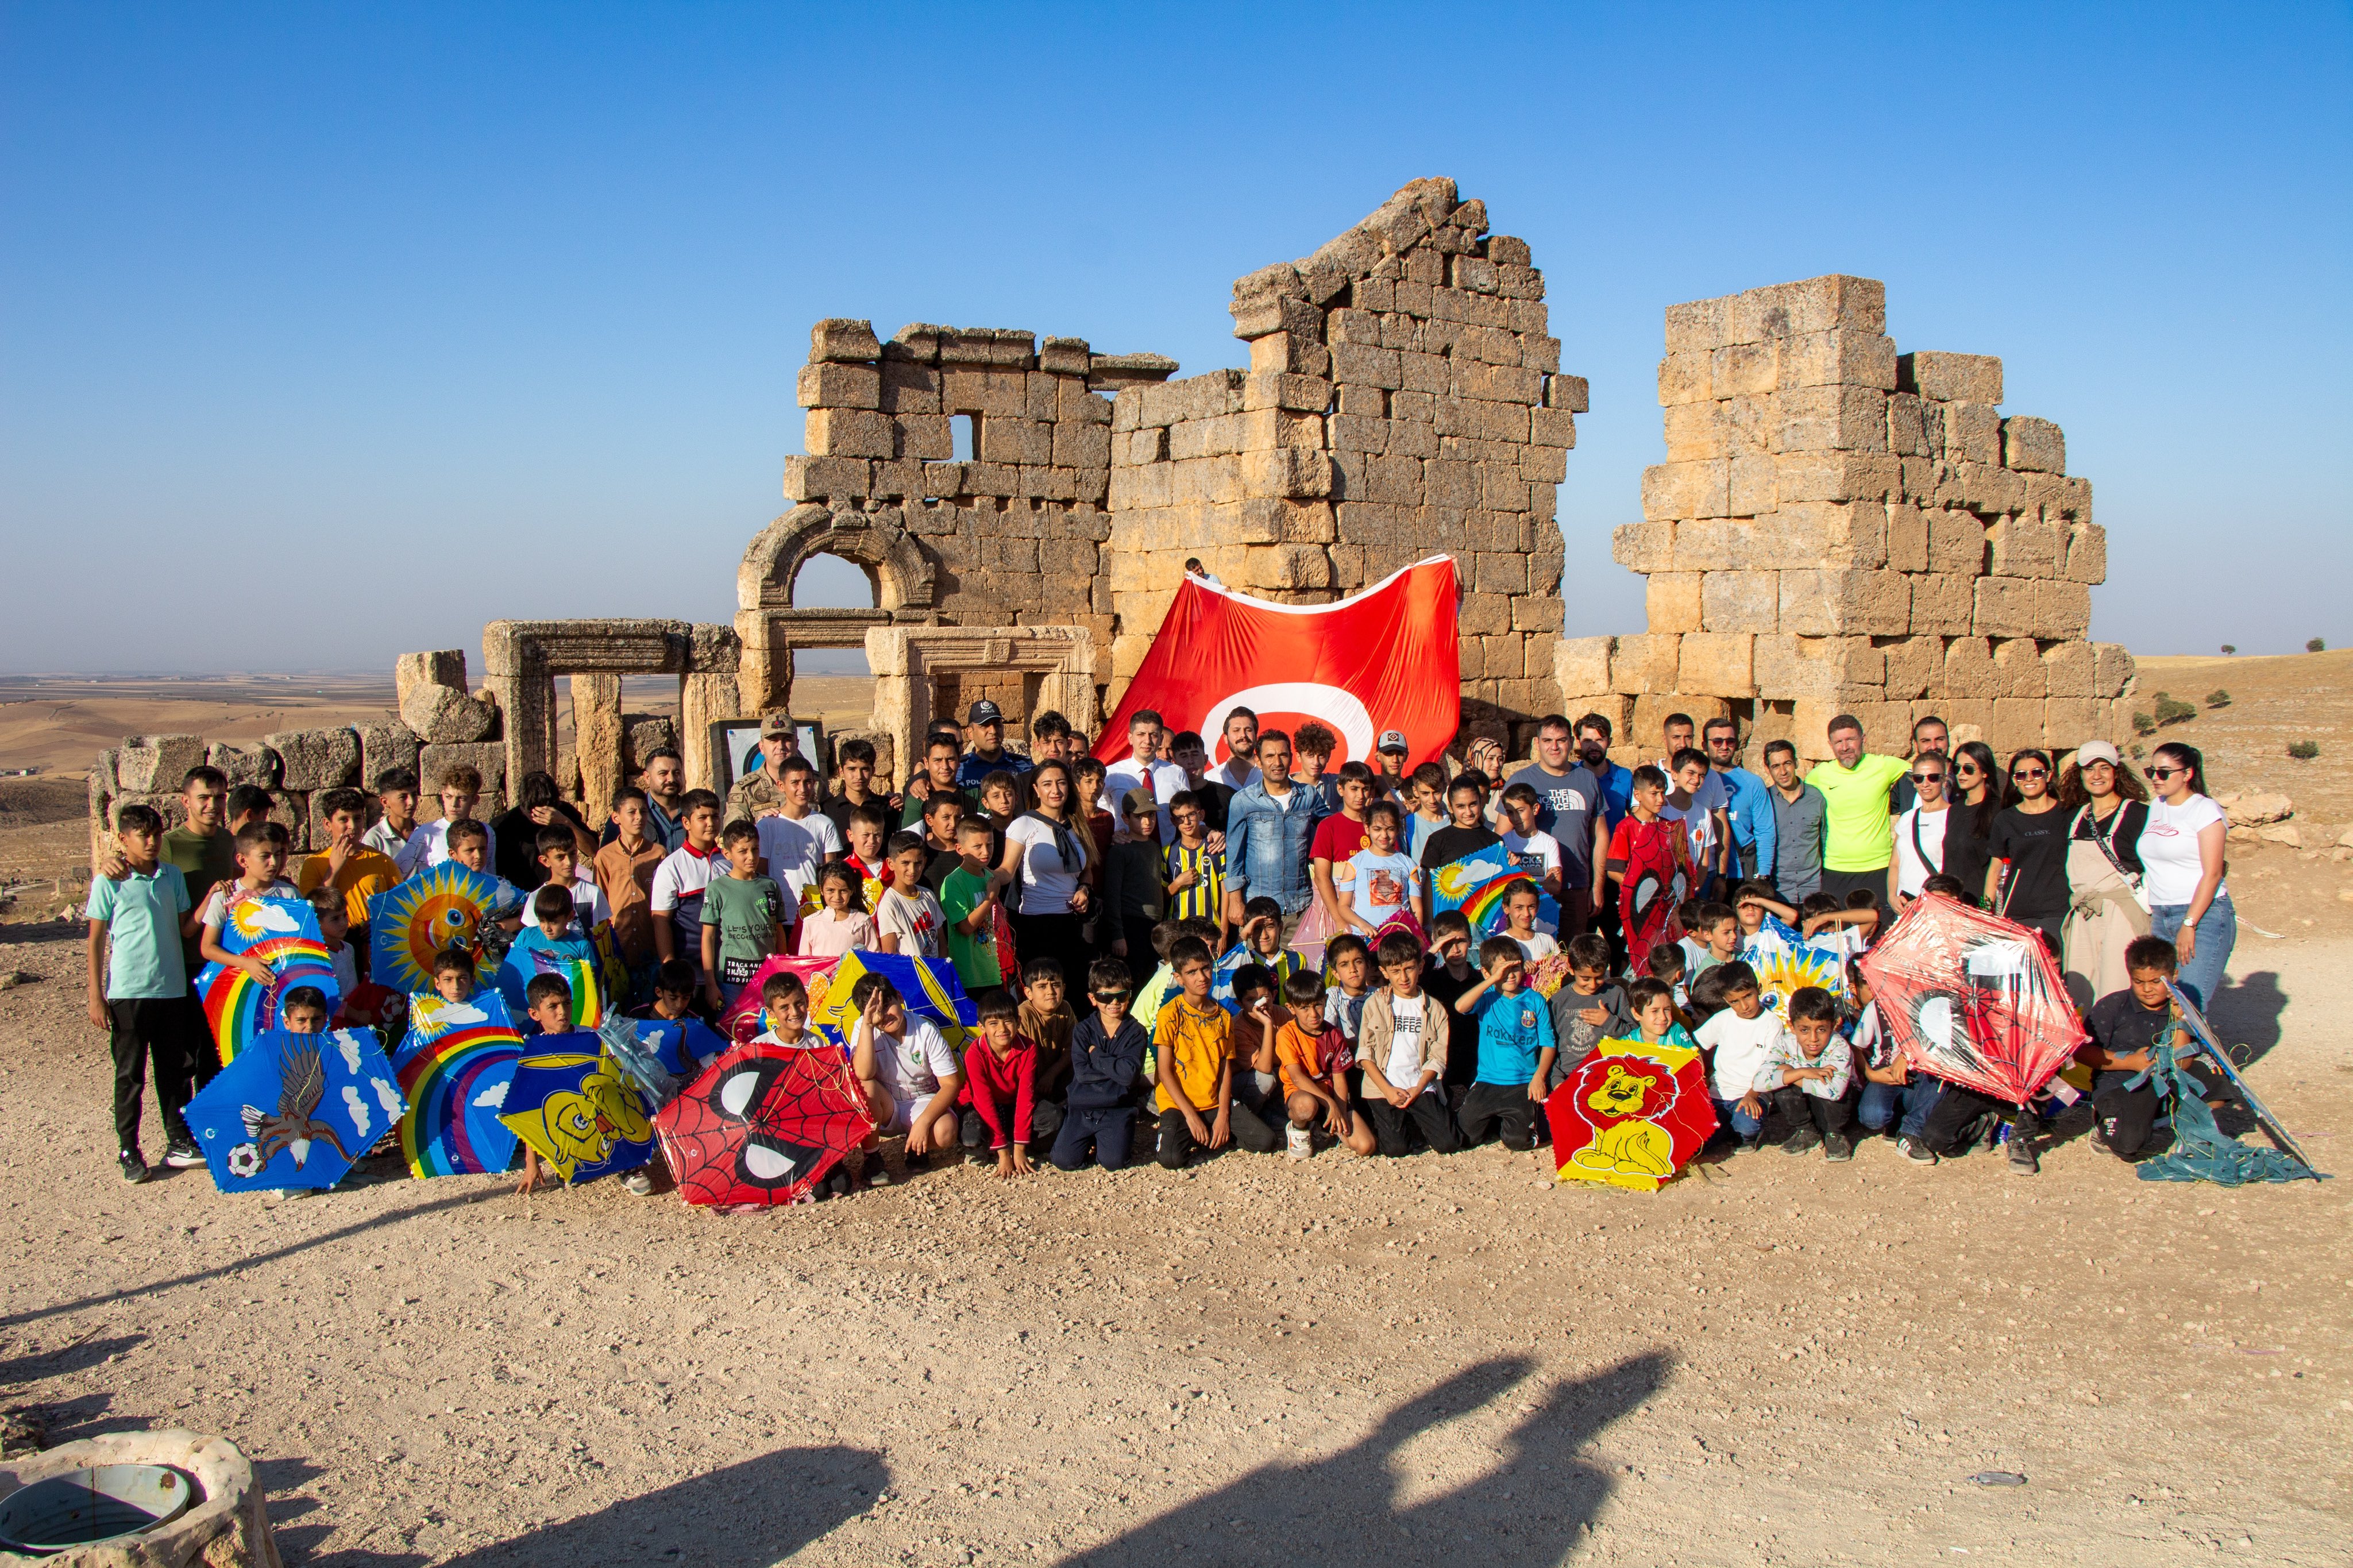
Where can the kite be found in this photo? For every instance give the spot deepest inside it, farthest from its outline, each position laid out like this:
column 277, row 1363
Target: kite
column 1973, row 998
column 611, row 967
column 746, row 1017
column 1386, row 658
column 929, row 986
column 1784, row 968
column 1655, row 882
column 577, row 1110
column 441, row 907
column 455, row 1067
column 763, row 1125
column 295, row 1111
column 2202, row 1151
column 284, row 934
column 1630, row 1114
column 525, row 963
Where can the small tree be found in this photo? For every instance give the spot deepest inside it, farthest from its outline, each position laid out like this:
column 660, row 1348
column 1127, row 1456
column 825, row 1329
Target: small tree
column 2316, row 646
column 2139, row 752
column 2170, row 711
column 2303, row 751
column 2143, row 725
column 2227, row 649
column 2218, row 697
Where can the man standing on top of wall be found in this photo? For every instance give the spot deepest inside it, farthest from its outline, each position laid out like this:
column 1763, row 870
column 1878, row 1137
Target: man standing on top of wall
column 1858, row 837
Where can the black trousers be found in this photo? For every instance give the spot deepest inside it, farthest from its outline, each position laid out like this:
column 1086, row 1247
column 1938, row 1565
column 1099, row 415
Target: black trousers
column 1177, row 1143
column 164, row 1032
column 1112, row 1132
column 1044, row 1120
column 1873, row 882
column 2125, row 1115
column 1957, row 1109
column 1427, row 1112
column 1829, row 1115
column 1059, row 937
column 1505, row 1105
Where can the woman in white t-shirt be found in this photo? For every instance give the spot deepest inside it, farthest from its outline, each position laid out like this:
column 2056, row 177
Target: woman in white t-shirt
column 1919, row 833
column 2182, row 870
column 1048, row 849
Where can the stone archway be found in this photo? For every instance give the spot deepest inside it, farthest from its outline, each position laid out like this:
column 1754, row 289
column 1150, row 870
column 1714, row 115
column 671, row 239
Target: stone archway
column 769, row 625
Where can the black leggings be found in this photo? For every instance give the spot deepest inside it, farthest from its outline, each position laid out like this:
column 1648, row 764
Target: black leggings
column 1057, row 937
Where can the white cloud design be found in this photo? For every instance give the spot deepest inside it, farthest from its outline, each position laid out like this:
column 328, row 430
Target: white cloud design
column 438, row 1014
column 358, row 1108
column 494, row 1097
column 349, row 1044
column 273, row 917
column 388, row 1096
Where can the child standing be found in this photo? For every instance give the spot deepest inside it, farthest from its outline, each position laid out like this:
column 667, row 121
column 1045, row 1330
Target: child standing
column 1313, row 1060
column 680, row 880
column 1401, row 1051
column 1350, row 963
column 1195, row 873
column 353, row 872
column 334, row 929
column 260, row 857
column 1425, row 785
column 1106, row 1061
column 625, row 871
column 744, row 915
column 1650, row 859
column 139, row 989
column 1379, row 881
column 396, row 795
column 559, row 859
column 839, row 924
column 1812, row 1067
column 1193, row 1042
column 1592, row 1007
column 1532, row 850
column 972, row 903
column 1000, row 1091
column 1743, row 1043
column 460, row 790
column 909, row 920
column 1516, row 1049
column 1136, row 891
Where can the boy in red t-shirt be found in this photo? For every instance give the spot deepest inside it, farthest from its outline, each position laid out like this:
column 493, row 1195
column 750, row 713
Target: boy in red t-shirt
column 1001, row 1109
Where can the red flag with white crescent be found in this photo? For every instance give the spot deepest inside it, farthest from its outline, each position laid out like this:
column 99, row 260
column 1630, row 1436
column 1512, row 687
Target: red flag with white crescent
column 1386, row 659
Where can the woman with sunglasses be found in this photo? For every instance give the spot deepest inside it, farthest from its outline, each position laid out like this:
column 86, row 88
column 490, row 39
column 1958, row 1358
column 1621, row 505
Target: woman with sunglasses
column 1919, row 831
column 2181, row 852
column 1975, row 793
column 2028, row 878
column 2105, row 914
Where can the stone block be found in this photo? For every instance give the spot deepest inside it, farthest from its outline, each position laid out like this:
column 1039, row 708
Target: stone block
column 1837, row 358
column 1837, row 602
column 2024, row 546
column 1695, row 432
column 2069, row 722
column 410, row 670
column 1645, row 664
column 1972, row 434
column 156, row 765
column 1495, row 572
column 1500, row 659
column 2061, row 498
column 2088, row 555
column 1686, row 378
column 2032, row 607
column 1914, row 665
column 1755, row 485
column 244, row 764
column 852, row 432
column 1943, row 606
column 1482, row 615
column 487, row 758
column 839, row 338
column 443, row 715
column 1064, row 356
column 643, row 734
column 1740, row 370
column 1949, row 377
column 1081, row 446
column 1908, row 434
column 909, row 388
column 1841, row 418
column 1826, row 669
column 1907, row 538
column 316, row 759
column 1835, row 477
column 382, row 748
column 1969, row 668
column 1740, row 602
column 828, row 478
column 925, row 437
column 1001, row 393
column 1886, row 726
column 1672, row 601
column 1673, row 490
column 1582, row 664
column 2017, row 724
column 1649, row 718
column 1718, row 664
column 1956, row 543
column 2070, row 669
column 1496, row 382
column 840, row 386
column 1553, row 427
column 2033, row 446
column 1832, row 302
column 1644, row 547
column 2112, row 670
column 1290, row 353
column 2018, row 668
column 1697, row 325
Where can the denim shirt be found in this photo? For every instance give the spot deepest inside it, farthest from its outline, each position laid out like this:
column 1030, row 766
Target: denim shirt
column 1267, row 843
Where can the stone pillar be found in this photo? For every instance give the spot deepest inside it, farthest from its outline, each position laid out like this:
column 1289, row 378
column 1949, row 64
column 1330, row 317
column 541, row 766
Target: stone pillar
column 703, row 701
column 525, row 694
column 596, row 742
column 764, row 679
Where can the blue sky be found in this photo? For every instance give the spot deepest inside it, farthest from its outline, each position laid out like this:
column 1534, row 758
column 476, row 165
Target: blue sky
column 328, row 333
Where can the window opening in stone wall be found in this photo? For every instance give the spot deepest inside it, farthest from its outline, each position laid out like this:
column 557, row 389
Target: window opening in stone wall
column 963, row 431
column 829, row 583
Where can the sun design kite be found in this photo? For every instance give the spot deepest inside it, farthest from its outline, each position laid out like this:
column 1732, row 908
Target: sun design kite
column 410, row 926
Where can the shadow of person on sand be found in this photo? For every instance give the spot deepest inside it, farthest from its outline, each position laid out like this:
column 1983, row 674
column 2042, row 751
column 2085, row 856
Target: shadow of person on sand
column 2246, row 1015
column 746, row 1515
column 1530, row 1509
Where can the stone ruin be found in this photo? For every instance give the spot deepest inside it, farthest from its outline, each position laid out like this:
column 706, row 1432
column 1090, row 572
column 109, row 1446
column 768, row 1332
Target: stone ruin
column 1838, row 527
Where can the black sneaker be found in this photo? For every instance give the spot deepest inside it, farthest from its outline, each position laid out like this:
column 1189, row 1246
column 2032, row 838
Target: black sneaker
column 2022, row 1162
column 1912, row 1149
column 1980, row 1130
column 1836, row 1148
column 134, row 1169
column 1804, row 1141
column 182, row 1154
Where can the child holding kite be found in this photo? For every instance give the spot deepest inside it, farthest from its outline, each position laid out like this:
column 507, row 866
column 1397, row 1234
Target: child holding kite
column 1516, row 1049
column 261, row 860
column 1650, row 855
column 1591, row 1008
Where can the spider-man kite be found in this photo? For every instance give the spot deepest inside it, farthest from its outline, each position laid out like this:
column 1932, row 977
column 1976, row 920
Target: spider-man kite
column 1972, row 998
column 762, row 1124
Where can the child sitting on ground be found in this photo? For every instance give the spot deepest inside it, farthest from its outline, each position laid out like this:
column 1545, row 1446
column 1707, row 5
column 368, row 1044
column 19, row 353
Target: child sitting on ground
column 1890, row 1088
column 1349, row 964
column 1106, row 1061
column 910, row 1073
column 1656, row 1020
column 1812, row 1066
column 909, row 920
column 744, row 917
column 785, row 1002
column 1192, row 1041
column 1665, row 964
column 1313, row 1058
column 1261, row 939
column 674, row 985
column 548, row 1013
column 1002, row 1109
column 2127, row 1026
column 1257, row 1018
column 1515, row 1049
column 1401, row 1050
column 1742, row 1042
column 1591, row 1008
column 839, row 924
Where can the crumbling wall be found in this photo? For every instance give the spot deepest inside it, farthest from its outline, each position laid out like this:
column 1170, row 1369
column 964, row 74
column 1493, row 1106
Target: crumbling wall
column 1840, row 528
column 1404, row 399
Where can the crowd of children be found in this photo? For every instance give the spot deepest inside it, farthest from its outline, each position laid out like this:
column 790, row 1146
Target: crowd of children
column 1406, row 1033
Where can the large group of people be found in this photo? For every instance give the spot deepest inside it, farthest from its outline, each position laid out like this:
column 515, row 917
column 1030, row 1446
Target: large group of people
column 1146, row 890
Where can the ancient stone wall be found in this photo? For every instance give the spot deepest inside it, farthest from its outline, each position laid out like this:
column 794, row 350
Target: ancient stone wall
column 1404, row 399
column 1841, row 528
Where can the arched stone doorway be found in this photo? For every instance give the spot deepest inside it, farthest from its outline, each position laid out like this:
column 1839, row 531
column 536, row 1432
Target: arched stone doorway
column 771, row 625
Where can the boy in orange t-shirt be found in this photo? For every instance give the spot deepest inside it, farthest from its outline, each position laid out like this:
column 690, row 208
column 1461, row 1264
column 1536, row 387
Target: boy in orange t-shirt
column 1313, row 1058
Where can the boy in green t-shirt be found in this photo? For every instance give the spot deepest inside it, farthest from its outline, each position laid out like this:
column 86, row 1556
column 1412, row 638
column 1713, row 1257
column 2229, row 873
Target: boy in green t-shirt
column 971, row 897
column 744, row 918
column 138, row 988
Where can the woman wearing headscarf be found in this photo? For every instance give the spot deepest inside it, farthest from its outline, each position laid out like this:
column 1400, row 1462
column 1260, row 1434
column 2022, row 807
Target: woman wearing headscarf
column 2027, row 882
column 1975, row 792
column 2109, row 810
column 2181, row 856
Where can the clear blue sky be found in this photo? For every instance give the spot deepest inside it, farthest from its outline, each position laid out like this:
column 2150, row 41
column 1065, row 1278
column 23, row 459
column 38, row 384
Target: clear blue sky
column 332, row 331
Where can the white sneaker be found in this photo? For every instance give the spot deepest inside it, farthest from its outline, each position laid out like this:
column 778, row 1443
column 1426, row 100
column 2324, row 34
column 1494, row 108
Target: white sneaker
column 1299, row 1141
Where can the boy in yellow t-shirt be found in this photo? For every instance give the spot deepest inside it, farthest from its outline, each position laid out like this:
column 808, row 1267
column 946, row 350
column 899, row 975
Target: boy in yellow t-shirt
column 1192, row 1039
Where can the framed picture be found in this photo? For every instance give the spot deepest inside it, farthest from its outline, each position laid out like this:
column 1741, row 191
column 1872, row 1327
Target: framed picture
column 735, row 747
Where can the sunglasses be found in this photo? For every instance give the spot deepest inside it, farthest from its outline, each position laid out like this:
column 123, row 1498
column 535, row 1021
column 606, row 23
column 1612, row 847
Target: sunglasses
column 1967, row 771
column 1110, row 995
column 2167, row 773
column 2029, row 773
column 1927, row 778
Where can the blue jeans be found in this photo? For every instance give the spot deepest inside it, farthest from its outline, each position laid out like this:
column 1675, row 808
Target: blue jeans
column 2218, row 933
column 1880, row 1101
column 1729, row 1111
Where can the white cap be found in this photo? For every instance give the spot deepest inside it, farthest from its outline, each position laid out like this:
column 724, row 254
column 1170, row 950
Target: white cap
column 2098, row 751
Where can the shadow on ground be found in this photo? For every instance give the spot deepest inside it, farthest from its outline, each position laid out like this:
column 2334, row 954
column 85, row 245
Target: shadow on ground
column 1532, row 1508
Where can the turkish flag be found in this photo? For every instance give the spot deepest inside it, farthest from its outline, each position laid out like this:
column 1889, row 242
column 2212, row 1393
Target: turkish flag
column 1386, row 659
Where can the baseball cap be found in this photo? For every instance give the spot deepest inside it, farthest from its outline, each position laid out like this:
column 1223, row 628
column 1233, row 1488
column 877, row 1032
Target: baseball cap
column 983, row 712
column 1393, row 741
column 1138, row 800
column 2098, row 751
column 777, row 724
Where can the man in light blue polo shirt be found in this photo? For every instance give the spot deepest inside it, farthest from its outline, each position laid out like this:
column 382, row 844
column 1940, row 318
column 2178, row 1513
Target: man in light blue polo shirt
column 138, row 988
column 1748, row 800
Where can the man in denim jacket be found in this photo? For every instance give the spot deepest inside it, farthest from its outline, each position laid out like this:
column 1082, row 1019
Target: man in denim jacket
column 1268, row 835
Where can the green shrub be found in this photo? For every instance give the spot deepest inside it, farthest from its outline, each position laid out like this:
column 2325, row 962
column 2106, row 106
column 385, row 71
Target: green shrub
column 2303, row 751
column 2143, row 725
column 2227, row 649
column 2218, row 697
column 2316, row 646
column 2170, row 711
column 2139, row 752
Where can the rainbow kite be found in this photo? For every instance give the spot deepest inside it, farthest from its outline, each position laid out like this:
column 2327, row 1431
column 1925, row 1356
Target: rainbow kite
column 525, row 965
column 454, row 1068
column 284, row 934
column 1477, row 884
column 441, row 907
